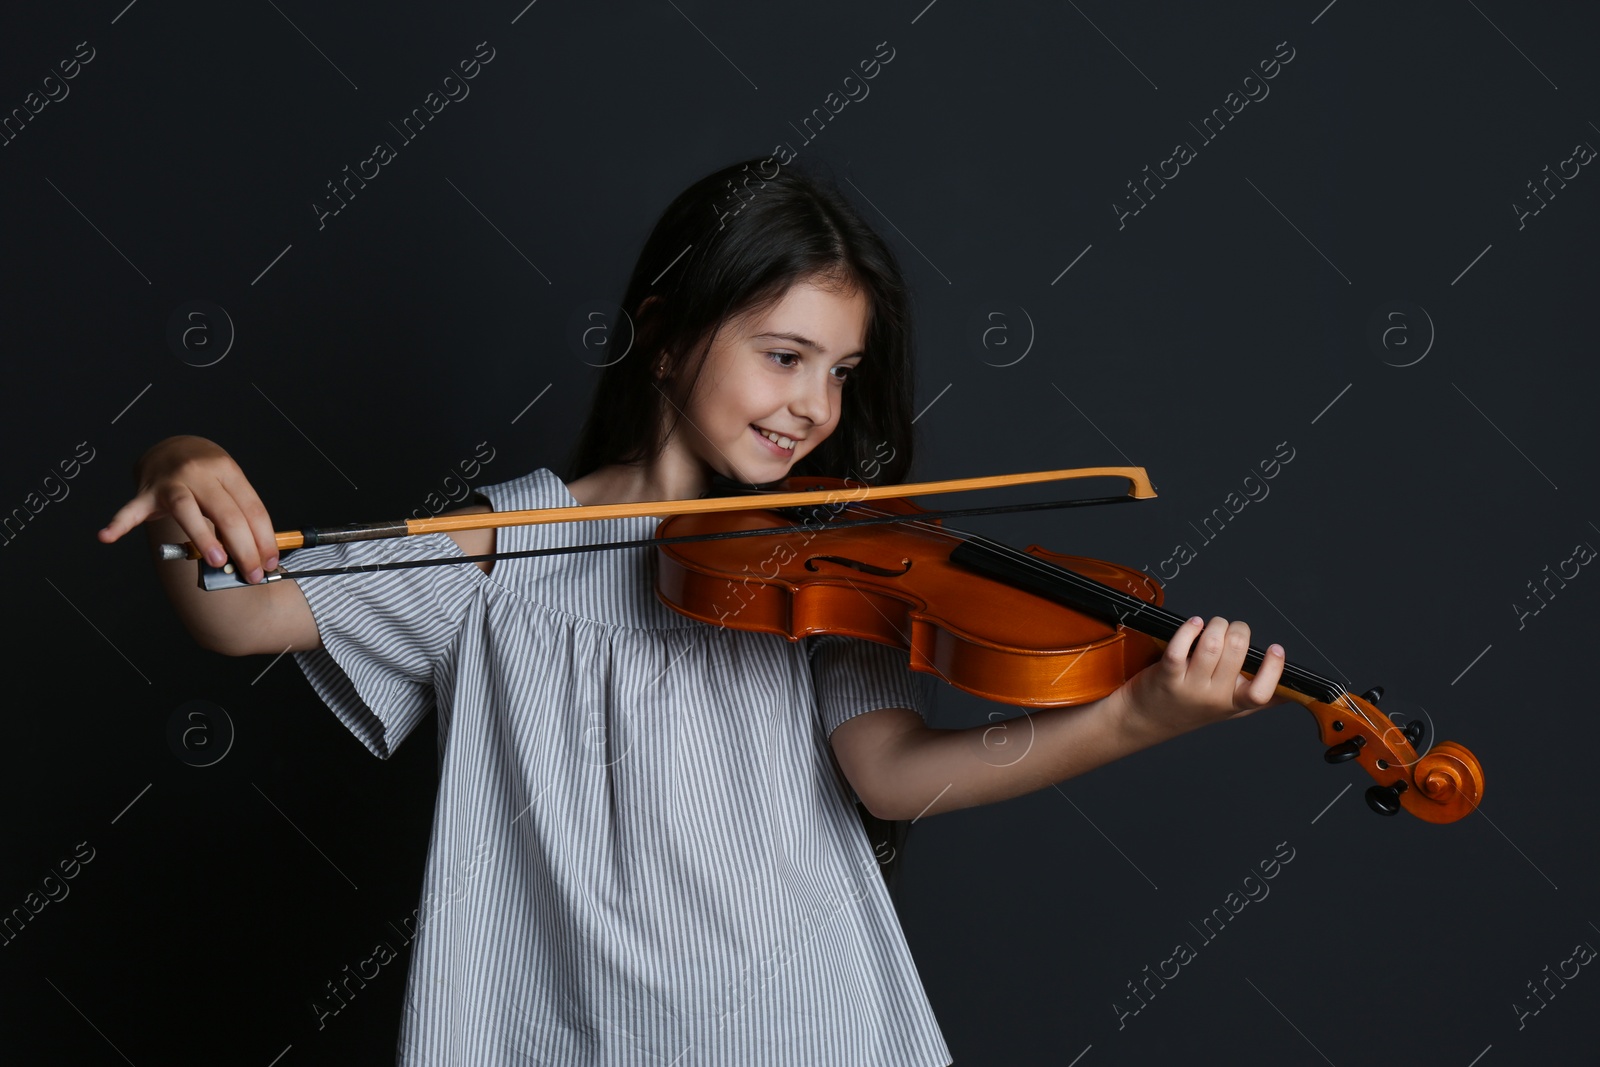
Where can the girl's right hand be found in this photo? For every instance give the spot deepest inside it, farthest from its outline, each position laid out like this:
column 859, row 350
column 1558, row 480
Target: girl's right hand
column 198, row 485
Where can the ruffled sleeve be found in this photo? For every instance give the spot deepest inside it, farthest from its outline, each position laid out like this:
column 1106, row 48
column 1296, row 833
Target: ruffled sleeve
column 851, row 676
column 384, row 633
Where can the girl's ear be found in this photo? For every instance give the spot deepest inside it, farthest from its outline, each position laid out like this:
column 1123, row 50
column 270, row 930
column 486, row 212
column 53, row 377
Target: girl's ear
column 659, row 371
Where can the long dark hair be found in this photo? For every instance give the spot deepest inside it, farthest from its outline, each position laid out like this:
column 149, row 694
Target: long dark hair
column 733, row 243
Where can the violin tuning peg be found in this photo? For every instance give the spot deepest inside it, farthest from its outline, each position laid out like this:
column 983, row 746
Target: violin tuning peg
column 1347, row 751
column 1385, row 799
column 1413, row 731
column 1373, row 695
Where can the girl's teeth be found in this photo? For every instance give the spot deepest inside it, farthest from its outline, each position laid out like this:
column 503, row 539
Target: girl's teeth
column 782, row 441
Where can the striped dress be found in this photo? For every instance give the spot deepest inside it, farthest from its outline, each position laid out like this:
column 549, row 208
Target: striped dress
column 642, row 849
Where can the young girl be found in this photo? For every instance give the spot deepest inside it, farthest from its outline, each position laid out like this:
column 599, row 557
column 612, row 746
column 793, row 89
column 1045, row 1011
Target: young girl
column 645, row 848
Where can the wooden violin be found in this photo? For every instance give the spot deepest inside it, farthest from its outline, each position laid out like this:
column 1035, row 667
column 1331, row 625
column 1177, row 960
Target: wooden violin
column 1027, row 627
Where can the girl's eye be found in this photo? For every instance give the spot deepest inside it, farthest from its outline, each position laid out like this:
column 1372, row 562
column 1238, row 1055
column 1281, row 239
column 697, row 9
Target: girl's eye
column 780, row 357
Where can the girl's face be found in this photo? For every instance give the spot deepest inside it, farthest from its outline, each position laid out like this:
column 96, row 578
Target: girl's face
column 780, row 373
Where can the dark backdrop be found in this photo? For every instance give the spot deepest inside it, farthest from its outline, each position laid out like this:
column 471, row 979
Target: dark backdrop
column 1352, row 271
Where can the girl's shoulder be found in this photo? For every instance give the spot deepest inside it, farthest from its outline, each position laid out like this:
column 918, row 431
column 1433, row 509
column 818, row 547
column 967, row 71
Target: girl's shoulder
column 539, row 488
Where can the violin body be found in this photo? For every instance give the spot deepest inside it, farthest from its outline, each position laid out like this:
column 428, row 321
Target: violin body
column 895, row 584
column 1029, row 627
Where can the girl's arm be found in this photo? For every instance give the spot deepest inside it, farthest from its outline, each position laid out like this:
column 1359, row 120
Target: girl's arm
column 902, row 769
column 190, row 489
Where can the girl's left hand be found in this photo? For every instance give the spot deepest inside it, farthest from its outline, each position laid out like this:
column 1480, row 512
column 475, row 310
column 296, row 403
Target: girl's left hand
column 1183, row 691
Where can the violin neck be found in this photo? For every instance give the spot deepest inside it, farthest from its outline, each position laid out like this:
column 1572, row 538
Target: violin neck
column 1014, row 567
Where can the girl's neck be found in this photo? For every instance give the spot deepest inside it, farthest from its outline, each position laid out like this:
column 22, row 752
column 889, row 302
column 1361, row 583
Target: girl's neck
column 667, row 477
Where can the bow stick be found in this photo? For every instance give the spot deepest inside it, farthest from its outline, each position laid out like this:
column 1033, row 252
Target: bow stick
column 223, row 577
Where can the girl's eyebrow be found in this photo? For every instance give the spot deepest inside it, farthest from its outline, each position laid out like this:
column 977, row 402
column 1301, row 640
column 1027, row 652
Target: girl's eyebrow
column 797, row 339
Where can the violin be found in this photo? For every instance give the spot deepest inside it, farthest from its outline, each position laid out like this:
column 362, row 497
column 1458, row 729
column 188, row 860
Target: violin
column 1028, row 627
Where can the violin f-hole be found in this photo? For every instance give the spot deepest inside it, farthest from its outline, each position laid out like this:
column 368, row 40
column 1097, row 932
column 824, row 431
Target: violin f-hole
column 869, row 568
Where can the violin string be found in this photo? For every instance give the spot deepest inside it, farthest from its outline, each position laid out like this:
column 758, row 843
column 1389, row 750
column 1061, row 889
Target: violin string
column 1297, row 678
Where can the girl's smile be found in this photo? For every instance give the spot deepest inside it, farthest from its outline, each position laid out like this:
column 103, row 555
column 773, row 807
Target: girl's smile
column 780, row 444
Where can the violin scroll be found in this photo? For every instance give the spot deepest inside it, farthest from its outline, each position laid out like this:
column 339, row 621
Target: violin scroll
column 1440, row 785
column 1449, row 783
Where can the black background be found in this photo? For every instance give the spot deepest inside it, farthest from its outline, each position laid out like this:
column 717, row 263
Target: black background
column 1232, row 314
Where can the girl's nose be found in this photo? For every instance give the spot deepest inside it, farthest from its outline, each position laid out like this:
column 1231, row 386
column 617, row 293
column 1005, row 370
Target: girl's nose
column 810, row 399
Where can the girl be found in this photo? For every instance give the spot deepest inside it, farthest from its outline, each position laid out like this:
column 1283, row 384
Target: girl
column 644, row 848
